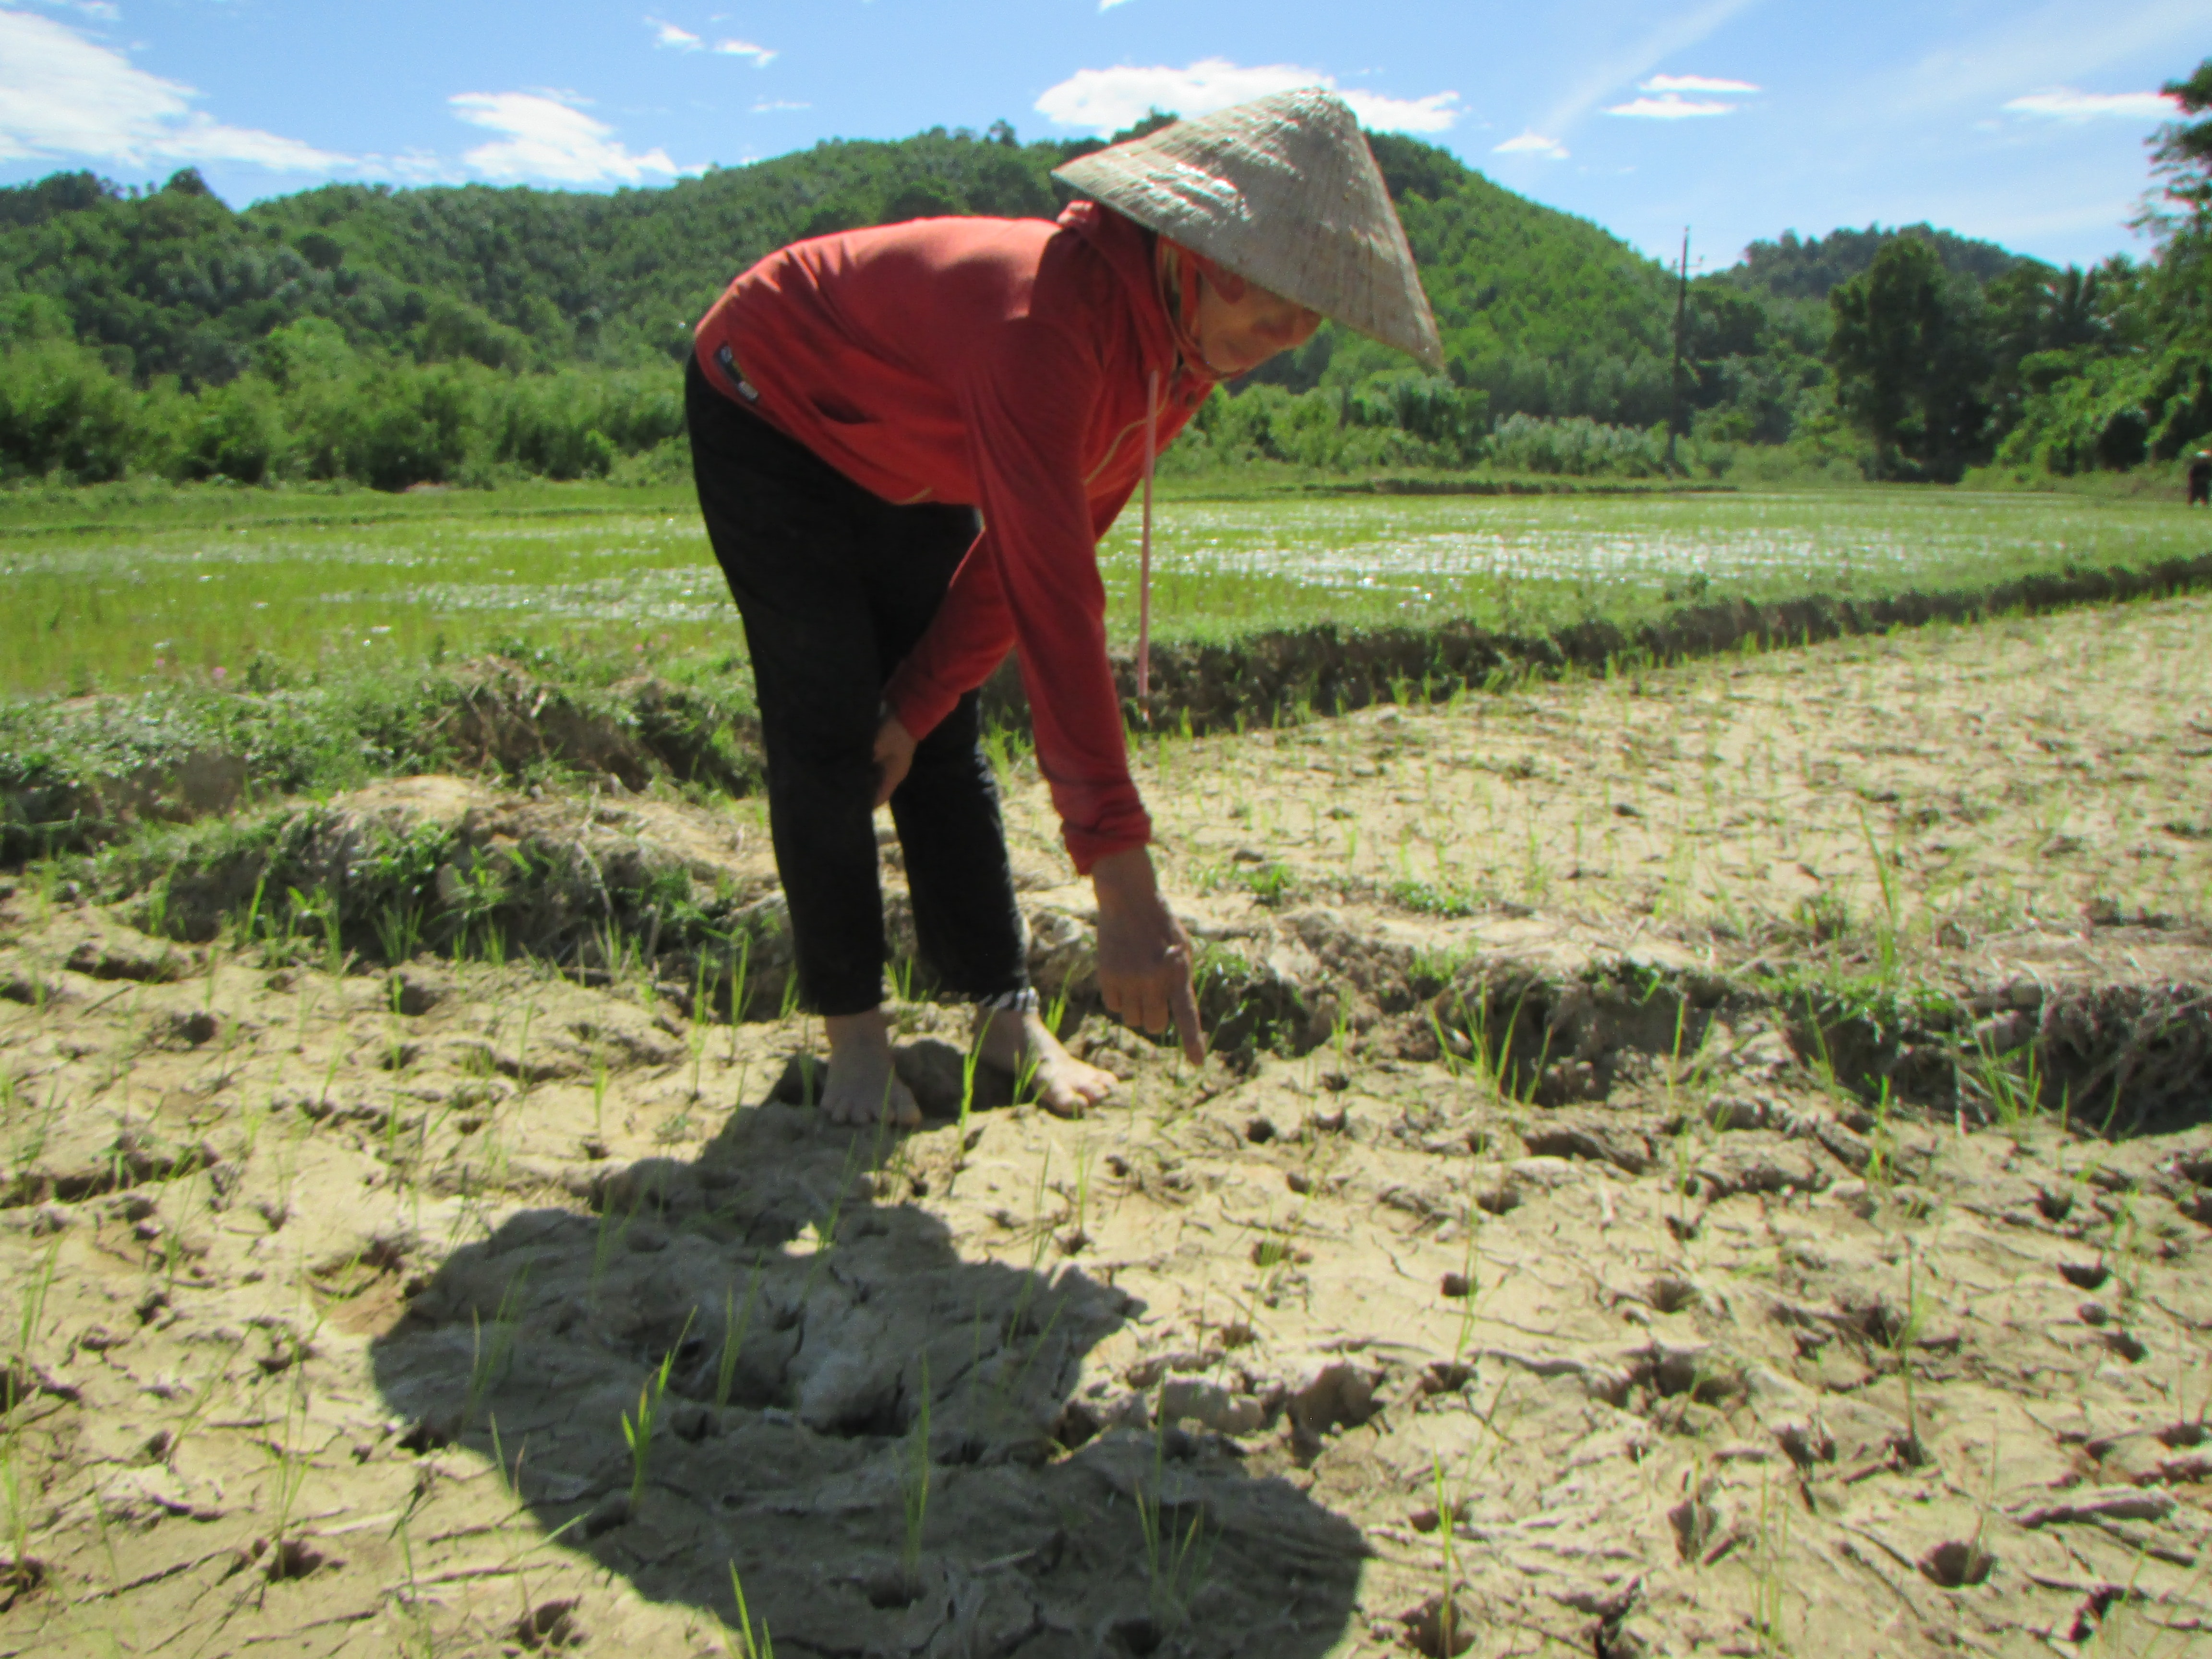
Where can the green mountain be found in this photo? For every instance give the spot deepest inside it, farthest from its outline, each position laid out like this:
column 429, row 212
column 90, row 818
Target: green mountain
column 1547, row 311
column 1810, row 268
column 172, row 282
column 391, row 335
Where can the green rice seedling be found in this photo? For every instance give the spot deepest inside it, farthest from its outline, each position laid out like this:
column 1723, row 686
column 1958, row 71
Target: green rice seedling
column 1039, row 1230
column 826, row 1225
column 32, row 1313
column 702, row 1026
column 1276, row 1253
column 19, row 1567
column 392, row 1122
column 173, row 1249
column 399, row 931
column 1902, row 1341
column 157, row 905
column 1447, row 1538
column 1771, row 1571
column 1025, row 1073
column 492, row 943
column 1010, row 1383
column 902, row 972
column 196, row 1411
column 598, row 1094
column 746, row 1643
column 2009, row 1083
column 607, row 1239
column 639, row 1434
column 1674, row 1054
column 968, row 1062
column 252, row 1120
column 735, row 1322
column 288, row 1473
column 1176, row 1564
column 1471, row 1293
column 522, row 1050
column 287, row 1174
column 1080, row 1234
column 1887, row 935
column 1881, row 1142
column 790, row 996
column 913, row 1485
column 329, row 1072
column 489, row 1365
column 740, row 989
column 321, row 909
column 2124, row 1251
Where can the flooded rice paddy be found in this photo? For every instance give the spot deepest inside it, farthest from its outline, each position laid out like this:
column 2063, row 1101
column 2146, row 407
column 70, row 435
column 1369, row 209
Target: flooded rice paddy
column 132, row 602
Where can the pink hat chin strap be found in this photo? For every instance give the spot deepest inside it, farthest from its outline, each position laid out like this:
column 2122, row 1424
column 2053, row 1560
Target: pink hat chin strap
column 1145, row 546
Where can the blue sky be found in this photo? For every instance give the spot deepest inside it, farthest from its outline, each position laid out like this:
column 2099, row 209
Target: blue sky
column 2019, row 122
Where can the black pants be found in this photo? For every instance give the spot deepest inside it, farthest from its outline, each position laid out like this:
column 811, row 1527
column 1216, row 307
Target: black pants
column 836, row 585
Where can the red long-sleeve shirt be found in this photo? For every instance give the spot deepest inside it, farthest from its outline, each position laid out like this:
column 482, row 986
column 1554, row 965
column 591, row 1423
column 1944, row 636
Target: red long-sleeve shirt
column 1003, row 364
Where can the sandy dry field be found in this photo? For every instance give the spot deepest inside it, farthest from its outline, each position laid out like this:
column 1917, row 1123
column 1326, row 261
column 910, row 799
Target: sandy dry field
column 1625, row 1222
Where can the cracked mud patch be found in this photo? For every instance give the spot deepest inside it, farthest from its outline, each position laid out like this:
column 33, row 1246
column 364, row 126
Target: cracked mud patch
column 1565, row 1273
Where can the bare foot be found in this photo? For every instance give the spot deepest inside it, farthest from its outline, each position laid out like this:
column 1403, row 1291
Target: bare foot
column 1020, row 1043
column 863, row 1085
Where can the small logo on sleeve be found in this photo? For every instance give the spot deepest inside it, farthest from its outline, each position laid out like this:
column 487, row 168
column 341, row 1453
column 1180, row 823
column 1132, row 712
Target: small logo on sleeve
column 727, row 360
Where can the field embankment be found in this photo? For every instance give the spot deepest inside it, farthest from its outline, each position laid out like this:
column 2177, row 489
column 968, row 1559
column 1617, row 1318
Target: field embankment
column 83, row 772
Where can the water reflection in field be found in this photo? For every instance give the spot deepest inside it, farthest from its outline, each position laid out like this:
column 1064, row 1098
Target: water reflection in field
column 1423, row 558
column 112, row 606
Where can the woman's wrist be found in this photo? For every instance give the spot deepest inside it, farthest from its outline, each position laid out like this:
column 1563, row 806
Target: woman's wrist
column 1124, row 879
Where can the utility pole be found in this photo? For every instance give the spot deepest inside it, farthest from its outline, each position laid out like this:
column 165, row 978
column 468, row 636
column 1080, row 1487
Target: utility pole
column 1681, row 317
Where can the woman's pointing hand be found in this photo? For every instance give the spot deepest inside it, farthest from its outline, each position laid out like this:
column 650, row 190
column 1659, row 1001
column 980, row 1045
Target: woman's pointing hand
column 1144, row 955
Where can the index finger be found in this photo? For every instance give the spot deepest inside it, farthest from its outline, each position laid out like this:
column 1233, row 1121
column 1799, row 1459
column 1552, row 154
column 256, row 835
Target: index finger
column 1183, row 1004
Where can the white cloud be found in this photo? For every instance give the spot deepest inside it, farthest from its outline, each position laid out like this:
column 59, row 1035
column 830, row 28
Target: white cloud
column 548, row 136
column 2064, row 104
column 2042, row 45
column 770, row 106
column 62, row 95
column 1434, row 114
column 762, row 56
column 100, row 11
column 413, row 167
column 1677, row 34
column 1532, row 144
column 674, row 39
column 1695, row 83
column 1671, row 106
column 1109, row 5
column 1106, row 101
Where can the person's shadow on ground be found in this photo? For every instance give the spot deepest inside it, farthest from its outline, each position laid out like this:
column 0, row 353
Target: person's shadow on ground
column 873, row 1430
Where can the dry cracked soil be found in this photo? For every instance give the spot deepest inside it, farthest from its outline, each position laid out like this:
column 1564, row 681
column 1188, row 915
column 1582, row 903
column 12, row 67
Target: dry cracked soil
column 1710, row 1162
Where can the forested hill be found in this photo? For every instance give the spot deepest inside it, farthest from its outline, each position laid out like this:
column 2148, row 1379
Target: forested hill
column 172, row 282
column 394, row 335
column 1795, row 268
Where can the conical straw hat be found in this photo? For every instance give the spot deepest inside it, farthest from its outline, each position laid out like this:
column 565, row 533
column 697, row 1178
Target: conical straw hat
column 1284, row 192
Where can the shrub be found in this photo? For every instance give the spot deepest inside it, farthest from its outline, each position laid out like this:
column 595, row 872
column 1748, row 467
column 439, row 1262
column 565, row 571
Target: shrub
column 1579, row 447
column 62, row 411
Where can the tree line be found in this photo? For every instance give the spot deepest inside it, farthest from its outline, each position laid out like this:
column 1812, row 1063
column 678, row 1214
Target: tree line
column 473, row 333
column 2056, row 372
